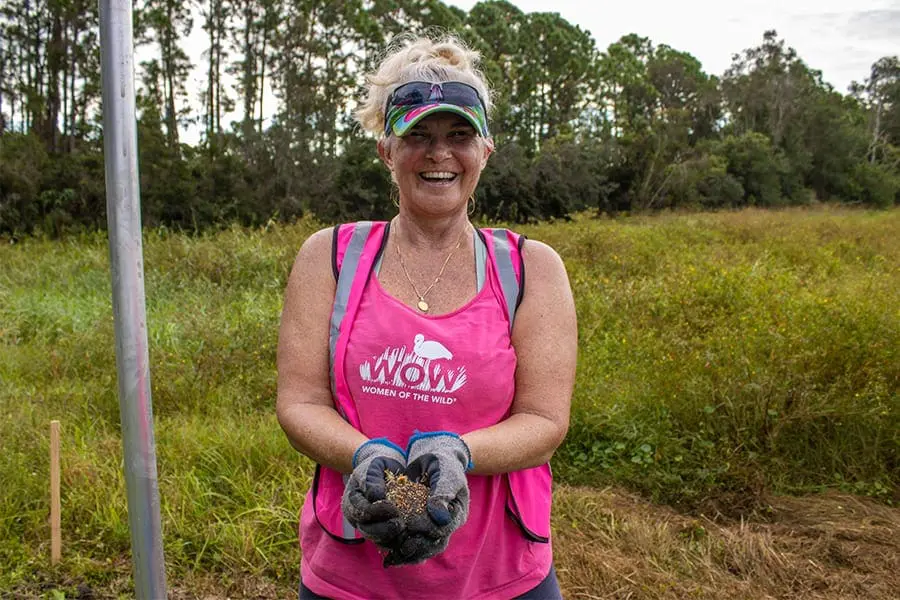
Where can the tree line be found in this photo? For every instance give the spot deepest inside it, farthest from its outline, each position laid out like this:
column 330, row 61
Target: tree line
column 638, row 126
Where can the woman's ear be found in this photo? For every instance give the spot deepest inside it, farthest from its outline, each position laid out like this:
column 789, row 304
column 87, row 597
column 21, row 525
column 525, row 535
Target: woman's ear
column 488, row 150
column 384, row 151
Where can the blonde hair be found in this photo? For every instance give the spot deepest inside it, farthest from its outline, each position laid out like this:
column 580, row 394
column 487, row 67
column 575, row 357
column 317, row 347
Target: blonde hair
column 411, row 58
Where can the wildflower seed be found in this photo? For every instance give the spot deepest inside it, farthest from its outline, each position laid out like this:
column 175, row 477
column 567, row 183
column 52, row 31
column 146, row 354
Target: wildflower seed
column 408, row 496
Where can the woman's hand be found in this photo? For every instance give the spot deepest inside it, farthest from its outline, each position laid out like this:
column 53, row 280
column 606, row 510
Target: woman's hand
column 439, row 460
column 363, row 503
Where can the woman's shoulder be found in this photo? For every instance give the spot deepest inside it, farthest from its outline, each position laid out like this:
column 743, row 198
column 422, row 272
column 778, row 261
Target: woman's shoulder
column 323, row 239
column 544, row 266
column 547, row 307
column 317, row 244
column 313, row 261
column 327, row 246
column 539, row 255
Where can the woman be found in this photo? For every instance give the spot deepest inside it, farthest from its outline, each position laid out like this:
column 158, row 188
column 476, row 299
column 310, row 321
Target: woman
column 414, row 348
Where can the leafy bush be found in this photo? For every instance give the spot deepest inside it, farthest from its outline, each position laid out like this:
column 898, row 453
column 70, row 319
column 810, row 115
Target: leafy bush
column 875, row 185
column 564, row 178
column 505, row 192
column 703, row 182
column 756, row 165
column 22, row 162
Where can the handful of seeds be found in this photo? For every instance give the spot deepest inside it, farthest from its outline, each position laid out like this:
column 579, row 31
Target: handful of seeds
column 408, row 496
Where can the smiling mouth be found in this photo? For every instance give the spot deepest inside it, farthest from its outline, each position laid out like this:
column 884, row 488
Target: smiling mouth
column 438, row 176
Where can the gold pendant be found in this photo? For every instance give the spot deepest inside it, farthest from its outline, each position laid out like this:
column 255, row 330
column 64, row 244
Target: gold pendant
column 422, row 305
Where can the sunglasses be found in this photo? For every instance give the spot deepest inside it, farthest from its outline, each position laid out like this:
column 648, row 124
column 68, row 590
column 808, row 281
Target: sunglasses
column 413, row 101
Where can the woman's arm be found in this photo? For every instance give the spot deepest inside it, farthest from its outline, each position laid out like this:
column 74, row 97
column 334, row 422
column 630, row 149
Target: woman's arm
column 545, row 336
column 304, row 407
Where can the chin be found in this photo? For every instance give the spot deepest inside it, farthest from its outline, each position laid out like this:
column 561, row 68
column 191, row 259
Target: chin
column 449, row 197
column 439, row 205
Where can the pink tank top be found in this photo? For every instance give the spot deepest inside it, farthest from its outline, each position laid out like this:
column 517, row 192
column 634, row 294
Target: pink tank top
column 405, row 372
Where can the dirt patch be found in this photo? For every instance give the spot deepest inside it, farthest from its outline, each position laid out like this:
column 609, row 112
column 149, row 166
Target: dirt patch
column 614, row 545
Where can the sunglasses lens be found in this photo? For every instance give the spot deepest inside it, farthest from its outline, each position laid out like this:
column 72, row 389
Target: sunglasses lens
column 464, row 95
column 420, row 92
column 411, row 93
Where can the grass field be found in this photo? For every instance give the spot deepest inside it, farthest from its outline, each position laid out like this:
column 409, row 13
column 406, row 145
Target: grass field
column 731, row 365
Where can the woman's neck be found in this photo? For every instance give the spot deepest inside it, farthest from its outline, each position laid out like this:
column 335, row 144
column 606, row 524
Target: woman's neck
column 433, row 234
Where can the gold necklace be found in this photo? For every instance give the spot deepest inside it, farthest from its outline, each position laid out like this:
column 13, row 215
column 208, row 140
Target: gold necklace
column 421, row 304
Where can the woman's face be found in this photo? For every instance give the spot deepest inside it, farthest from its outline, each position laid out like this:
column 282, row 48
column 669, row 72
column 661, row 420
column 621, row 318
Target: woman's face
column 437, row 164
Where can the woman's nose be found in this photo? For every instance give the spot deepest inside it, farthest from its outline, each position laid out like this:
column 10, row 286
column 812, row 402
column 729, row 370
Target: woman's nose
column 439, row 148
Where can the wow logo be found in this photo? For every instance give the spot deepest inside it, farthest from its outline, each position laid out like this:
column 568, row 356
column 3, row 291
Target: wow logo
column 425, row 368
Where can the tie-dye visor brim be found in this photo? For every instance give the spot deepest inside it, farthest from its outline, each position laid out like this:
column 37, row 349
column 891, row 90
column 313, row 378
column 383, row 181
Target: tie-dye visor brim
column 400, row 119
column 413, row 101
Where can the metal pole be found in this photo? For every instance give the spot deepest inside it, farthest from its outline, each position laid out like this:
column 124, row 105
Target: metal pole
column 126, row 260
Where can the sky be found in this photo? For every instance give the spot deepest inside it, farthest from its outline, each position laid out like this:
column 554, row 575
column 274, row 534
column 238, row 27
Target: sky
column 841, row 38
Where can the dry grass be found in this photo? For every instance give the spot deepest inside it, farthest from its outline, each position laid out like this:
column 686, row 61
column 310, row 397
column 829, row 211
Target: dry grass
column 614, row 545
column 610, row 544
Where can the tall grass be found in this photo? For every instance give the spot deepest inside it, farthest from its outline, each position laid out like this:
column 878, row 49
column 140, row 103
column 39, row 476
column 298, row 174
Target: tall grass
column 720, row 355
column 735, row 352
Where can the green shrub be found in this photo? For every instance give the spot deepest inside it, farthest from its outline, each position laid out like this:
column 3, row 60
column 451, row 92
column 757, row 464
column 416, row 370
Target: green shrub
column 756, row 165
column 875, row 185
column 704, row 182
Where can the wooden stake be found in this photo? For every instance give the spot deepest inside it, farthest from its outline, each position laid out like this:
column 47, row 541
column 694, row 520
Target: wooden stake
column 55, row 533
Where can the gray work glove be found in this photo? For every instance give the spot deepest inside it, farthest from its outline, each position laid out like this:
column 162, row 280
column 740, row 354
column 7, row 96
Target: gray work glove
column 363, row 501
column 440, row 459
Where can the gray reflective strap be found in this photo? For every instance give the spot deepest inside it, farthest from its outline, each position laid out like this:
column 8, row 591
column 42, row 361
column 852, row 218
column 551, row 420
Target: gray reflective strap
column 345, row 284
column 349, row 531
column 480, row 260
column 506, row 273
column 377, row 268
column 346, row 275
column 379, row 258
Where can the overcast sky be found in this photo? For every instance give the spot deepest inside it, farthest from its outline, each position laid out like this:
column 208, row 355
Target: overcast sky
column 841, row 38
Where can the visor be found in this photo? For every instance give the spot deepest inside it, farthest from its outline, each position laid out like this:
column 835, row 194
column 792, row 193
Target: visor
column 413, row 101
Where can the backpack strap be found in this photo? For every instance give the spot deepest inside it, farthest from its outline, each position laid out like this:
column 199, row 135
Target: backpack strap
column 504, row 248
column 355, row 248
column 481, row 255
column 530, row 490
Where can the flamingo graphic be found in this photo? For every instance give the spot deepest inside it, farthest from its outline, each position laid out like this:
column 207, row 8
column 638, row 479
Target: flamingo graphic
column 430, row 350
